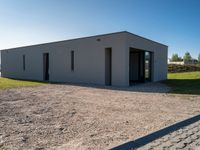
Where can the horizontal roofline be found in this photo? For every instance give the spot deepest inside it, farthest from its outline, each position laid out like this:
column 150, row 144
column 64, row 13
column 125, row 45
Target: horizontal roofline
column 84, row 38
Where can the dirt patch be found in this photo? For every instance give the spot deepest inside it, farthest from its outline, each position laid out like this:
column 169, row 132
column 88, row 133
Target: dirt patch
column 77, row 117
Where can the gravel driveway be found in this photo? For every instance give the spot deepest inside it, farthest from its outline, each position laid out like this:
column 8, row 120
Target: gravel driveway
column 78, row 117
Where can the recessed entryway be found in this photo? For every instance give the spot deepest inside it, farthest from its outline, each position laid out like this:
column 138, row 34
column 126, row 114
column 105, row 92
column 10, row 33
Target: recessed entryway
column 136, row 66
column 140, row 66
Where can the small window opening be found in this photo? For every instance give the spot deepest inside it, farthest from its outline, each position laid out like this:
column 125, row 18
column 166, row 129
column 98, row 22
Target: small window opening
column 72, row 60
column 24, row 65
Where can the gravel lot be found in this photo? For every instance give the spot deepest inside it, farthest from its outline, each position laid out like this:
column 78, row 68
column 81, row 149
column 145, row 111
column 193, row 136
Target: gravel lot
column 80, row 117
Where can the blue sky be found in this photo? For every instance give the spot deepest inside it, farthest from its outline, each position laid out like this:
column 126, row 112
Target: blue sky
column 175, row 23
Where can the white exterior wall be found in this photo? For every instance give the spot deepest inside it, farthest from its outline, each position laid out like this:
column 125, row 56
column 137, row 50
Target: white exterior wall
column 89, row 59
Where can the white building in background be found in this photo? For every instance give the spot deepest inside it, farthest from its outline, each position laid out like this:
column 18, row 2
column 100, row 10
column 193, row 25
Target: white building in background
column 192, row 62
column 118, row 59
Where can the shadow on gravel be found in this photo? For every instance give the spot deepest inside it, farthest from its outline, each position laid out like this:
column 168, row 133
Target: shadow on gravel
column 149, row 87
column 155, row 135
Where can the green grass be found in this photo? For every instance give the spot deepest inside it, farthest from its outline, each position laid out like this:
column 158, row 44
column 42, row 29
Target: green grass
column 184, row 83
column 1, row 148
column 185, row 75
column 6, row 83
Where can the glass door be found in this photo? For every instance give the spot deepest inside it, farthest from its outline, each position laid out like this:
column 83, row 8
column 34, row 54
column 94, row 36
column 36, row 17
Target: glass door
column 148, row 65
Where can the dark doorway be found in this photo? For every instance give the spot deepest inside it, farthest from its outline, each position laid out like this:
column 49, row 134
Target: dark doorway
column 136, row 66
column 108, row 66
column 140, row 66
column 46, row 66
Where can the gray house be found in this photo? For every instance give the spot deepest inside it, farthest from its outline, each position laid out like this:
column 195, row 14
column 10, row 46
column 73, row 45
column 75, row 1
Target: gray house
column 118, row 59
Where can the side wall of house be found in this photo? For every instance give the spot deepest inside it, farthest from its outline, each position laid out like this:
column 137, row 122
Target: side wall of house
column 89, row 60
column 160, row 52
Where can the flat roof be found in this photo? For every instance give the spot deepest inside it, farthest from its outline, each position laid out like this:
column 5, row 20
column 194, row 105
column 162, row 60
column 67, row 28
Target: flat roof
column 87, row 37
column 145, row 38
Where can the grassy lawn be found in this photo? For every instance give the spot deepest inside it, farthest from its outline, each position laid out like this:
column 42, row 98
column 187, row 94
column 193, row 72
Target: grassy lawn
column 184, row 83
column 6, row 83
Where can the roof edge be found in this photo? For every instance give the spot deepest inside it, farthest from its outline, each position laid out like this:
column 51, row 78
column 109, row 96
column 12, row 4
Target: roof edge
column 53, row 42
column 145, row 38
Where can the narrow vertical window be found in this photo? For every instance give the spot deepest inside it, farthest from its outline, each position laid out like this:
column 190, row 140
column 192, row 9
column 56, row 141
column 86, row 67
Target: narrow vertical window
column 148, row 65
column 72, row 60
column 24, row 65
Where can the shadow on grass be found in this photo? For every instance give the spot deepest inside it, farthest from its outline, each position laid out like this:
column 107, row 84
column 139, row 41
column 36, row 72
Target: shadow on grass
column 7, row 83
column 184, row 86
column 26, row 80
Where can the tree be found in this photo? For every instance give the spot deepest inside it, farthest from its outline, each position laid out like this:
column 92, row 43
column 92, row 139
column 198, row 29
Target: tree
column 187, row 57
column 175, row 57
column 199, row 57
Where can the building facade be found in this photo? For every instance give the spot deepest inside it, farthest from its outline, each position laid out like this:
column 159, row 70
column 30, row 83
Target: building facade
column 117, row 59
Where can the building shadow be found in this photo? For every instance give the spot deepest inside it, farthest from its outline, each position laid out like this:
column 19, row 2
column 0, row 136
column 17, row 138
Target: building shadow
column 156, row 135
column 184, row 86
column 148, row 87
column 174, row 86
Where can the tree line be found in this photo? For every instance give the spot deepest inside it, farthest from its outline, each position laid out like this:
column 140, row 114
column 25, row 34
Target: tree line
column 186, row 58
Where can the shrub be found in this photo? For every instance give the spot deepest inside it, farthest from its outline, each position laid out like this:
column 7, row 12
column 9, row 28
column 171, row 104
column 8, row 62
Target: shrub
column 173, row 68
